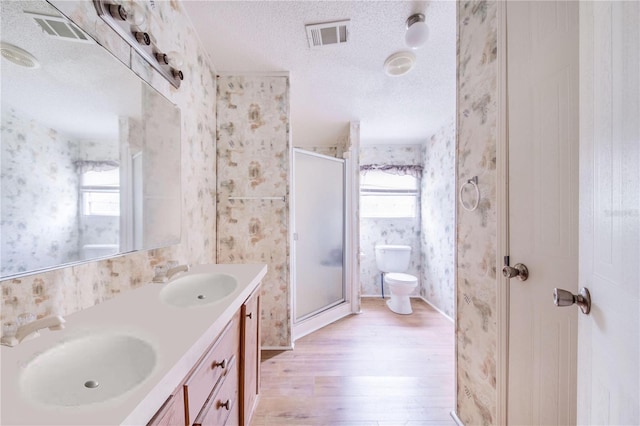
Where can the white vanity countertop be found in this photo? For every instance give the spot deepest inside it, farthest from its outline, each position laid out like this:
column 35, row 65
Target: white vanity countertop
column 179, row 336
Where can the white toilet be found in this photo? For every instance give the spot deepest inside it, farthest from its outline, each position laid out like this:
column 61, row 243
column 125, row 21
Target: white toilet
column 393, row 260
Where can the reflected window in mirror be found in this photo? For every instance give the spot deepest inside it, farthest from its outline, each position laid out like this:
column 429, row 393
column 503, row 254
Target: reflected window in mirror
column 100, row 191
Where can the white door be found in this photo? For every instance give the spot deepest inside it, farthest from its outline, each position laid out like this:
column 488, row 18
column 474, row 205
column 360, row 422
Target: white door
column 609, row 338
column 542, row 68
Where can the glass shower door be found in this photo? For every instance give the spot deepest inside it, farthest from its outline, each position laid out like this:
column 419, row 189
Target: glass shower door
column 318, row 233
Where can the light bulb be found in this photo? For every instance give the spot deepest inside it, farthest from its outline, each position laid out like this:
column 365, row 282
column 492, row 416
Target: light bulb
column 136, row 15
column 417, row 31
column 175, row 59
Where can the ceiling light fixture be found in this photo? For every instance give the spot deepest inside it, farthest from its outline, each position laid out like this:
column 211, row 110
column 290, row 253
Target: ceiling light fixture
column 399, row 63
column 417, row 31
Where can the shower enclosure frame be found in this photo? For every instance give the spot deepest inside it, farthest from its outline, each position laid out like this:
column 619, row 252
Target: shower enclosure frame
column 340, row 308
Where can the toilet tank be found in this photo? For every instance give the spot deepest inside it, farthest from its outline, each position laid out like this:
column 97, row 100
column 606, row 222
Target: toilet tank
column 392, row 258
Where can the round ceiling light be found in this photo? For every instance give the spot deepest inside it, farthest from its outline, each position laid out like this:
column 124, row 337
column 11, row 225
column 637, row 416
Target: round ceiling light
column 399, row 63
column 417, row 31
column 18, row 56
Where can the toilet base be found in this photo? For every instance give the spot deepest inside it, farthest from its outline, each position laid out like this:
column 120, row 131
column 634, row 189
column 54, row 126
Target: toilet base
column 400, row 304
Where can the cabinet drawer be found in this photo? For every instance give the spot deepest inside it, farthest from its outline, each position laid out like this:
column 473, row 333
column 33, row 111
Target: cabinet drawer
column 171, row 413
column 222, row 405
column 214, row 365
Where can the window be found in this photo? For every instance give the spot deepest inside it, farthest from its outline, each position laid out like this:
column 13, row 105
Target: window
column 388, row 195
column 100, row 192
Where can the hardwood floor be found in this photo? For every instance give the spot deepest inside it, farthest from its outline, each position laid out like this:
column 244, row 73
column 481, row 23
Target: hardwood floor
column 377, row 368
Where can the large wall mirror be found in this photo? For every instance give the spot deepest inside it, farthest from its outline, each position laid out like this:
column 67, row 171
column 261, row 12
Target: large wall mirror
column 90, row 153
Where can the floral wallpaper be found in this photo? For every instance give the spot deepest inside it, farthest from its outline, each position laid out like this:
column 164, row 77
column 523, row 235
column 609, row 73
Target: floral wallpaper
column 71, row 289
column 340, row 147
column 405, row 231
column 394, row 154
column 438, row 204
column 254, row 153
column 476, row 231
column 28, row 196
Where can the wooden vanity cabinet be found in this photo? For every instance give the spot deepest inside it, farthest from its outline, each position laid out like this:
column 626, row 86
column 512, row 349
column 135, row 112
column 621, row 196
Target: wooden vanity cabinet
column 223, row 386
column 250, row 356
column 222, row 406
column 172, row 411
column 215, row 368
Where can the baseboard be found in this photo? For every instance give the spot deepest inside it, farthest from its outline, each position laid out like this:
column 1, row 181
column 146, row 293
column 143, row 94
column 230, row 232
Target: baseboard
column 437, row 309
column 456, row 419
column 276, row 348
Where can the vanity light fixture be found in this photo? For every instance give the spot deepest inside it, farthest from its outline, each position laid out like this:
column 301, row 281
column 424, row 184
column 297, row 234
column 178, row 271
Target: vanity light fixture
column 143, row 38
column 128, row 21
column 172, row 58
column 175, row 59
column 162, row 58
column 177, row 74
column 417, row 31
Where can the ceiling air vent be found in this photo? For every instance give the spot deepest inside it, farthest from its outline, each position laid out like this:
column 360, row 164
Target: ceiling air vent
column 59, row 27
column 328, row 33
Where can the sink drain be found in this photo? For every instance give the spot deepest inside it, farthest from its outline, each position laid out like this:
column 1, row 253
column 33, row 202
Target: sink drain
column 202, row 296
column 91, row 384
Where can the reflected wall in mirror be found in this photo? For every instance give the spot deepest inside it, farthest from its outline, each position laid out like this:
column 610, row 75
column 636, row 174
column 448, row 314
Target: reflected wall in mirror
column 90, row 155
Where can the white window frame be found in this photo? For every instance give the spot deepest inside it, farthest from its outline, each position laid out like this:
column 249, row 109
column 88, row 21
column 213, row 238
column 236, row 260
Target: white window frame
column 85, row 190
column 391, row 193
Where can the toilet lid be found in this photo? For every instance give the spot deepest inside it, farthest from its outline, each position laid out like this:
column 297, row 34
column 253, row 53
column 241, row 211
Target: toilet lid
column 400, row 278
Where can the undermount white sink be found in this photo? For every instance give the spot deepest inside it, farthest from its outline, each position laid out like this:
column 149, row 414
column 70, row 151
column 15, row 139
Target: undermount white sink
column 198, row 289
column 87, row 370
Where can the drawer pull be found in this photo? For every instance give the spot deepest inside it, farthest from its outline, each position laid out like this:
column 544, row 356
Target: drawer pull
column 222, row 364
column 250, row 315
column 226, row 405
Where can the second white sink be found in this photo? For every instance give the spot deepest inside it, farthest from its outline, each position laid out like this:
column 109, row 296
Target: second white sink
column 87, row 370
column 198, row 289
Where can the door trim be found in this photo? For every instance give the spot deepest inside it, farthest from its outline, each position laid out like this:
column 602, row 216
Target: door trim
column 502, row 217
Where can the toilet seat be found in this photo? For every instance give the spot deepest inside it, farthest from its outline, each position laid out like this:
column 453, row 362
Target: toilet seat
column 400, row 278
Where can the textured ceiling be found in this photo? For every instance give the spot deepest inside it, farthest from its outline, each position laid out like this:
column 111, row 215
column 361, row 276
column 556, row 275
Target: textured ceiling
column 334, row 85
